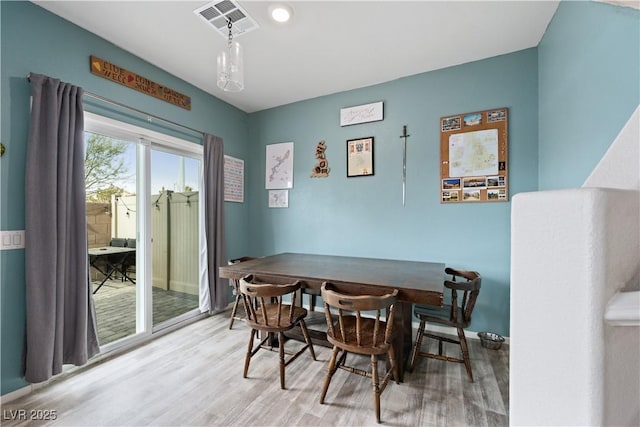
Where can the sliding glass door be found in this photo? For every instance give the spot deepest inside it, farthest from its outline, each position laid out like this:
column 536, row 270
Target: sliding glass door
column 142, row 213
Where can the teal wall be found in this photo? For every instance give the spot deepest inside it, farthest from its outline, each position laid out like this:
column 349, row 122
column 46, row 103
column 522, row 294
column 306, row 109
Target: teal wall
column 589, row 77
column 364, row 216
column 33, row 40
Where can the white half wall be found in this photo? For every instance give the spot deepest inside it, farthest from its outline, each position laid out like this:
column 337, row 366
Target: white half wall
column 571, row 250
column 620, row 168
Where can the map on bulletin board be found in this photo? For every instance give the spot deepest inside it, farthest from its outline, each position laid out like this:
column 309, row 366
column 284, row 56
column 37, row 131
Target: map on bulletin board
column 473, row 157
column 473, row 153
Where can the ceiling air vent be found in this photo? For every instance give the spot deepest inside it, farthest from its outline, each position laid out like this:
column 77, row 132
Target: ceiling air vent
column 218, row 13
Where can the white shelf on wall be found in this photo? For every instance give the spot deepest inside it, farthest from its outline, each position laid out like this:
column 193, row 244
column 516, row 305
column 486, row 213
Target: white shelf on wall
column 623, row 309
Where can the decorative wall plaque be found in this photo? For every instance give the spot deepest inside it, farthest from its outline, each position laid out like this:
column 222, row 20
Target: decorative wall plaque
column 112, row 72
column 321, row 169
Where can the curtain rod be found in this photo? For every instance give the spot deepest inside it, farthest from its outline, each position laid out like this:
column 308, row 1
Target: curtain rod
column 119, row 104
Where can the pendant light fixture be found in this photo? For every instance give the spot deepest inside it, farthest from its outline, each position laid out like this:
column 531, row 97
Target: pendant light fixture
column 230, row 66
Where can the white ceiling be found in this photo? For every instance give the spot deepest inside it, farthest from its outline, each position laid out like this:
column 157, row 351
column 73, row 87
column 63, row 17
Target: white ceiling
column 328, row 47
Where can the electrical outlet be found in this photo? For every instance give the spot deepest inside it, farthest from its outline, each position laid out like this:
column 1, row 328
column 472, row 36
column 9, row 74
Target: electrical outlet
column 11, row 239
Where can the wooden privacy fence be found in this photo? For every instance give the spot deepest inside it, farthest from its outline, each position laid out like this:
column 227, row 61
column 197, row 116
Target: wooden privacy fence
column 174, row 233
column 98, row 224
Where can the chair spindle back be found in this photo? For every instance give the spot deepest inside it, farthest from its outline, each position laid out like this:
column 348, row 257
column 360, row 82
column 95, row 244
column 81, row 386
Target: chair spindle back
column 352, row 305
column 268, row 295
column 470, row 290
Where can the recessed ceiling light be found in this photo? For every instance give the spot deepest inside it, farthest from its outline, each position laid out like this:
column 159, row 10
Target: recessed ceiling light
column 280, row 12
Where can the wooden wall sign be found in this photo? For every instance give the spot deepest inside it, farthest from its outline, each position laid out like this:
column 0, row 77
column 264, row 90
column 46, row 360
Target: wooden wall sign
column 112, row 72
column 473, row 157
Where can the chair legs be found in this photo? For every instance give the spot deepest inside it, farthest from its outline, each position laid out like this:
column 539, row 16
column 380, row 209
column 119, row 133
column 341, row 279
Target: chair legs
column 234, row 311
column 282, row 353
column 465, row 353
column 336, row 363
column 332, row 370
column 462, row 342
column 250, row 352
column 307, row 338
column 417, row 346
column 376, row 385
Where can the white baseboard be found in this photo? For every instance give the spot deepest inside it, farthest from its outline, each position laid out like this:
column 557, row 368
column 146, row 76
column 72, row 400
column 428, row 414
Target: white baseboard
column 28, row 389
column 16, row 394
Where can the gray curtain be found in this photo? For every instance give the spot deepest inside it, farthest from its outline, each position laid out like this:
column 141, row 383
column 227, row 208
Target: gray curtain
column 214, row 220
column 60, row 321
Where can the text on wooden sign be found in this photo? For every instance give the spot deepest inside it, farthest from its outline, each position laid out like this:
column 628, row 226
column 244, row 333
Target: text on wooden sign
column 112, row 72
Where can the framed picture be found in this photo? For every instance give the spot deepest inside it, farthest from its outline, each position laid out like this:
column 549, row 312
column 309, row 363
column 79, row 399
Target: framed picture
column 233, row 179
column 279, row 166
column 360, row 157
column 362, row 114
column 278, row 198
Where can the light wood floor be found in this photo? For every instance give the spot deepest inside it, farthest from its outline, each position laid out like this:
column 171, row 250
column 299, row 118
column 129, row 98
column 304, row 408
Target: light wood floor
column 193, row 376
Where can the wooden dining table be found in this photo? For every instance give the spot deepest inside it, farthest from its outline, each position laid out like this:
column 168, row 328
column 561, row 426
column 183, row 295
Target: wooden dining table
column 416, row 281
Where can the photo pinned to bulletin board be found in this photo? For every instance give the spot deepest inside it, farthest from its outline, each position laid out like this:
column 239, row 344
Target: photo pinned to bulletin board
column 474, row 157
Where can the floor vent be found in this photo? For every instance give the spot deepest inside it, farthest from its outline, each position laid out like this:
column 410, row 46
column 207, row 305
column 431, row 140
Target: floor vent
column 218, row 13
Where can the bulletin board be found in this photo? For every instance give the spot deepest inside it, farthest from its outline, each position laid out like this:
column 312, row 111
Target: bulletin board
column 474, row 160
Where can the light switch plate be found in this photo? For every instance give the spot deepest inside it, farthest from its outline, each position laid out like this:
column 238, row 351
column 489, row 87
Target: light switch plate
column 11, row 239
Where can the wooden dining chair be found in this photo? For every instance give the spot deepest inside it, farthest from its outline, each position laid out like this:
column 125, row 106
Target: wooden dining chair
column 355, row 333
column 236, row 292
column 457, row 315
column 266, row 312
